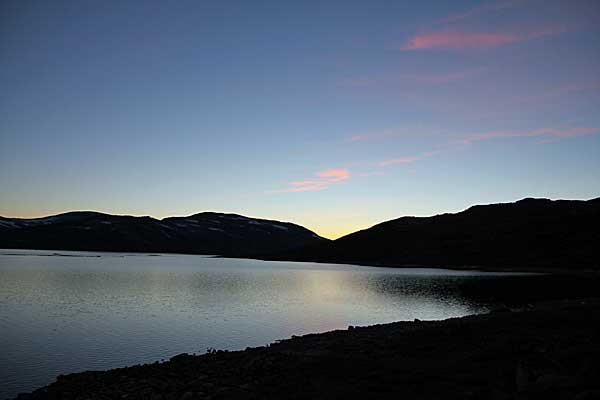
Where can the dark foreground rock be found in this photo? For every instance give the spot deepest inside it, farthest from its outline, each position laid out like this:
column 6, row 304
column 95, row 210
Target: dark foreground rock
column 549, row 351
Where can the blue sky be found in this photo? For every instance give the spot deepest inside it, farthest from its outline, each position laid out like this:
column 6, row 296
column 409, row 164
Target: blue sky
column 334, row 115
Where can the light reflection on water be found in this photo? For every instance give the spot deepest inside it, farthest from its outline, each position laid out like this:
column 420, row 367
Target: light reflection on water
column 73, row 311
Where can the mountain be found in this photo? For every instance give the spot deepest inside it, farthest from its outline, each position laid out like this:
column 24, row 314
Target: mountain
column 204, row 233
column 527, row 234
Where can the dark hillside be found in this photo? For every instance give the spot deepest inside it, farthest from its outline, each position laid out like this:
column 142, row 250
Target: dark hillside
column 204, row 233
column 530, row 233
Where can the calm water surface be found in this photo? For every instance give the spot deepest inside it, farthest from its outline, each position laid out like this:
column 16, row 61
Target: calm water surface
column 63, row 312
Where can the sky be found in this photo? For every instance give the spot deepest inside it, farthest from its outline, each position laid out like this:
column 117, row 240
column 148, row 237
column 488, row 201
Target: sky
column 335, row 115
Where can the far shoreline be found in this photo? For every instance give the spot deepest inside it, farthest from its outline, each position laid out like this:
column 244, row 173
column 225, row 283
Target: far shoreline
column 473, row 268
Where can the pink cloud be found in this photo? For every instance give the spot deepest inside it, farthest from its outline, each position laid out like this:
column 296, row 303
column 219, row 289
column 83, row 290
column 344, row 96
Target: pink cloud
column 323, row 180
column 326, row 178
column 408, row 159
column 302, row 188
column 334, row 175
column 457, row 40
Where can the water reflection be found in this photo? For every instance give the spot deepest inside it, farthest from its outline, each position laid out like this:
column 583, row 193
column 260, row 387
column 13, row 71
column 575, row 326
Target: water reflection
column 77, row 311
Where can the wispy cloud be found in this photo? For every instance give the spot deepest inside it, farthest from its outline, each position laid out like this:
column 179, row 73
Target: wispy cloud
column 560, row 91
column 326, row 178
column 546, row 134
column 416, row 77
column 460, row 40
column 407, row 159
column 482, row 9
column 323, row 180
column 364, row 137
column 400, row 160
column 408, row 130
column 443, row 78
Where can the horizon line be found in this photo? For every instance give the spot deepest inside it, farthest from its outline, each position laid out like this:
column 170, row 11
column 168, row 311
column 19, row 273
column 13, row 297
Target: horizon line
column 295, row 223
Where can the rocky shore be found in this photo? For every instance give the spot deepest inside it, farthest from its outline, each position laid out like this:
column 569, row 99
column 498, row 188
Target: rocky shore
column 549, row 350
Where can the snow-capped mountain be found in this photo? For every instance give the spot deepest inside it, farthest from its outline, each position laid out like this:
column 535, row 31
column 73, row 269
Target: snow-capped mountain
column 203, row 233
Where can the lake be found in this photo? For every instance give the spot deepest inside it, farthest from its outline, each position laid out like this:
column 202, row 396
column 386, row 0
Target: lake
column 63, row 312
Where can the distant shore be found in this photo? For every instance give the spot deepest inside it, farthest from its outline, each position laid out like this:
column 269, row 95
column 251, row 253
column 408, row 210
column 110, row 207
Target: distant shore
column 482, row 268
column 547, row 350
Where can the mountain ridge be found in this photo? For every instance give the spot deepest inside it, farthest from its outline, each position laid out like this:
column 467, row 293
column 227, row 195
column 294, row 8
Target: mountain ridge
column 201, row 233
column 531, row 233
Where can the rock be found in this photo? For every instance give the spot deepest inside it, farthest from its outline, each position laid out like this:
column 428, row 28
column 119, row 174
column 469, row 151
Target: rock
column 500, row 309
column 522, row 377
column 588, row 395
column 180, row 357
column 550, row 382
column 231, row 393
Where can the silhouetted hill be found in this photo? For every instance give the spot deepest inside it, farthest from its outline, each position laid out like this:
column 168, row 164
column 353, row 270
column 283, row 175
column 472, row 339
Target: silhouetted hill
column 204, row 233
column 530, row 233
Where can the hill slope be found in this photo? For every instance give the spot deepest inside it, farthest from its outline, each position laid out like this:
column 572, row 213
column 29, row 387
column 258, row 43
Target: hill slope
column 530, row 233
column 204, row 233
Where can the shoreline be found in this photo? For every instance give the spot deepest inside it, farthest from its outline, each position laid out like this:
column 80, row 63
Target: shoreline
column 473, row 268
column 547, row 349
